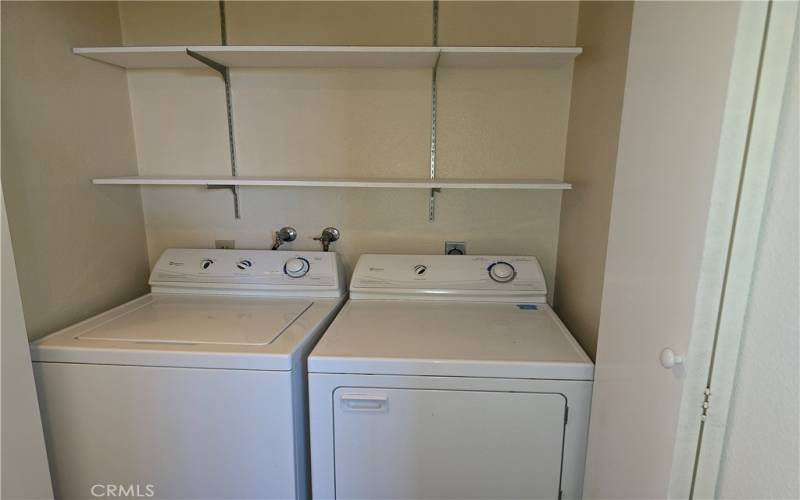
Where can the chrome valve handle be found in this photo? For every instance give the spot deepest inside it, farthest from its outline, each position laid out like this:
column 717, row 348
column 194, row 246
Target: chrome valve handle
column 285, row 235
column 328, row 236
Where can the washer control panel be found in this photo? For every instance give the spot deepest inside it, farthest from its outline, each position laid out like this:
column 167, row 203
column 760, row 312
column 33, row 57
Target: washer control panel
column 449, row 275
column 246, row 269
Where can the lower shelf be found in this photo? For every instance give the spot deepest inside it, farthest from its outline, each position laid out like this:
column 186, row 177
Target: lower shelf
column 340, row 183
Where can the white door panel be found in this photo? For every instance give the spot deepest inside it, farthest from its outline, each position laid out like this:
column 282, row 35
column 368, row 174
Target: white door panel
column 691, row 68
column 424, row 444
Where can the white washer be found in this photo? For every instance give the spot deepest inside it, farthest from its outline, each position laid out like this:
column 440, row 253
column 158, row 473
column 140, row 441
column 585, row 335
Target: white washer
column 196, row 390
column 448, row 377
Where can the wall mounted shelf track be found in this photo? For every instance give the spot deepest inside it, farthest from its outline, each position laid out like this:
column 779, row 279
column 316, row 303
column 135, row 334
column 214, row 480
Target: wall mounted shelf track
column 518, row 184
column 331, row 56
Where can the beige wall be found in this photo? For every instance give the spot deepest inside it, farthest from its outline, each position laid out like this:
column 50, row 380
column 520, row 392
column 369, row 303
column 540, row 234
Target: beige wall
column 355, row 122
column 351, row 22
column 79, row 248
column 511, row 23
column 597, row 91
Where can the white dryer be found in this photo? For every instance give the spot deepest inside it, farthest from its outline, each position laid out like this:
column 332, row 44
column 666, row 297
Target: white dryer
column 448, row 377
column 196, row 390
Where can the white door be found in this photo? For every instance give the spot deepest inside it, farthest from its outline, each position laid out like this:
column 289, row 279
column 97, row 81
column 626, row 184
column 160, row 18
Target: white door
column 691, row 82
column 426, row 444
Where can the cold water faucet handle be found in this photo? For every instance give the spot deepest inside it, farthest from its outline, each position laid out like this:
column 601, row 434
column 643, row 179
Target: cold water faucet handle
column 328, row 236
column 285, row 235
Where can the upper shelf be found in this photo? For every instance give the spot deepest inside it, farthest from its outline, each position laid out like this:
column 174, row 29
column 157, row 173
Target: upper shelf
column 348, row 183
column 249, row 56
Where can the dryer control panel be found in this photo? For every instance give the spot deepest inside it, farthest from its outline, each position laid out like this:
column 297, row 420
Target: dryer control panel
column 482, row 277
column 242, row 271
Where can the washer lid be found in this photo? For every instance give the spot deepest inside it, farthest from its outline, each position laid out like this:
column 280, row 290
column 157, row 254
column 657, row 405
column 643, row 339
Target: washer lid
column 394, row 337
column 201, row 320
column 194, row 331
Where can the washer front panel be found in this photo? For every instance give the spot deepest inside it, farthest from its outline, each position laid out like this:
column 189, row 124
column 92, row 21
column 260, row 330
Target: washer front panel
column 189, row 433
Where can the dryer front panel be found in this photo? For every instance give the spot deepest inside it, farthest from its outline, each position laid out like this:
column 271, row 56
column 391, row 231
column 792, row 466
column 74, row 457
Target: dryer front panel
column 427, row 443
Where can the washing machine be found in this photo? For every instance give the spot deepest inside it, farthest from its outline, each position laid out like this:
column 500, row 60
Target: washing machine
column 195, row 390
column 448, row 377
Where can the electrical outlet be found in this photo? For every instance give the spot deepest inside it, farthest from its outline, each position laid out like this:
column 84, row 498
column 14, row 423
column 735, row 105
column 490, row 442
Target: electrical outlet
column 225, row 244
column 455, row 248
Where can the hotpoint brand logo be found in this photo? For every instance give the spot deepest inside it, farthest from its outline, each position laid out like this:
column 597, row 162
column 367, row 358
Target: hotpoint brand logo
column 123, row 491
column 377, row 269
column 173, row 263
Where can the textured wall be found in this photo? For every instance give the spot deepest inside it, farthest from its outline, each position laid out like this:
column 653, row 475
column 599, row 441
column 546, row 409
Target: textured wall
column 358, row 123
column 760, row 458
column 79, row 248
column 597, row 90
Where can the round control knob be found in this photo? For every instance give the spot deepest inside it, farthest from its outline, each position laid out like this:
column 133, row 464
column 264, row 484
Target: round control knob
column 297, row 267
column 244, row 264
column 206, row 263
column 502, row 272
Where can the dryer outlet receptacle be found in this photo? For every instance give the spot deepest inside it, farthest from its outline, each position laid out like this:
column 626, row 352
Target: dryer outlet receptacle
column 455, row 248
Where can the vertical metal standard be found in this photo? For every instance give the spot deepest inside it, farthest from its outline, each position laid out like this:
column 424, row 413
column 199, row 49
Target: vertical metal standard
column 231, row 141
column 432, row 196
column 225, row 72
column 222, row 28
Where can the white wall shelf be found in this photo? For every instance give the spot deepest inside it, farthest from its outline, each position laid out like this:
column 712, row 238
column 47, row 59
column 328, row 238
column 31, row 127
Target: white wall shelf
column 519, row 184
column 222, row 58
column 331, row 56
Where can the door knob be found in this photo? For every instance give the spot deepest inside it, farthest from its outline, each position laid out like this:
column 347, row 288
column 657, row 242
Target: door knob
column 669, row 359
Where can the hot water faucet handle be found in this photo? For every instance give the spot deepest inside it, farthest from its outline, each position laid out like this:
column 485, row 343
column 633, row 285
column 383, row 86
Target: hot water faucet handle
column 285, row 235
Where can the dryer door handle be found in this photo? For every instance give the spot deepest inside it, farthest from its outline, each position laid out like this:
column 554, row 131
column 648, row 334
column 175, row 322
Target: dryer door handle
column 364, row 402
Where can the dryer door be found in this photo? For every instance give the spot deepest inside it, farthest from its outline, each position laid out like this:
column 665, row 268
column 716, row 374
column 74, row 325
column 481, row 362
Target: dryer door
column 423, row 444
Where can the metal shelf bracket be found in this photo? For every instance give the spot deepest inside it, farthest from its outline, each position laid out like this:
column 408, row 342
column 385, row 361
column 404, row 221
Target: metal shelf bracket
column 234, row 191
column 225, row 72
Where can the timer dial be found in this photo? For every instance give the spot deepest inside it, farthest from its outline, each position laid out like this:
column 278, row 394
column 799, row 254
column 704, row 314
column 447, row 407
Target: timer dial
column 296, row 267
column 502, row 272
